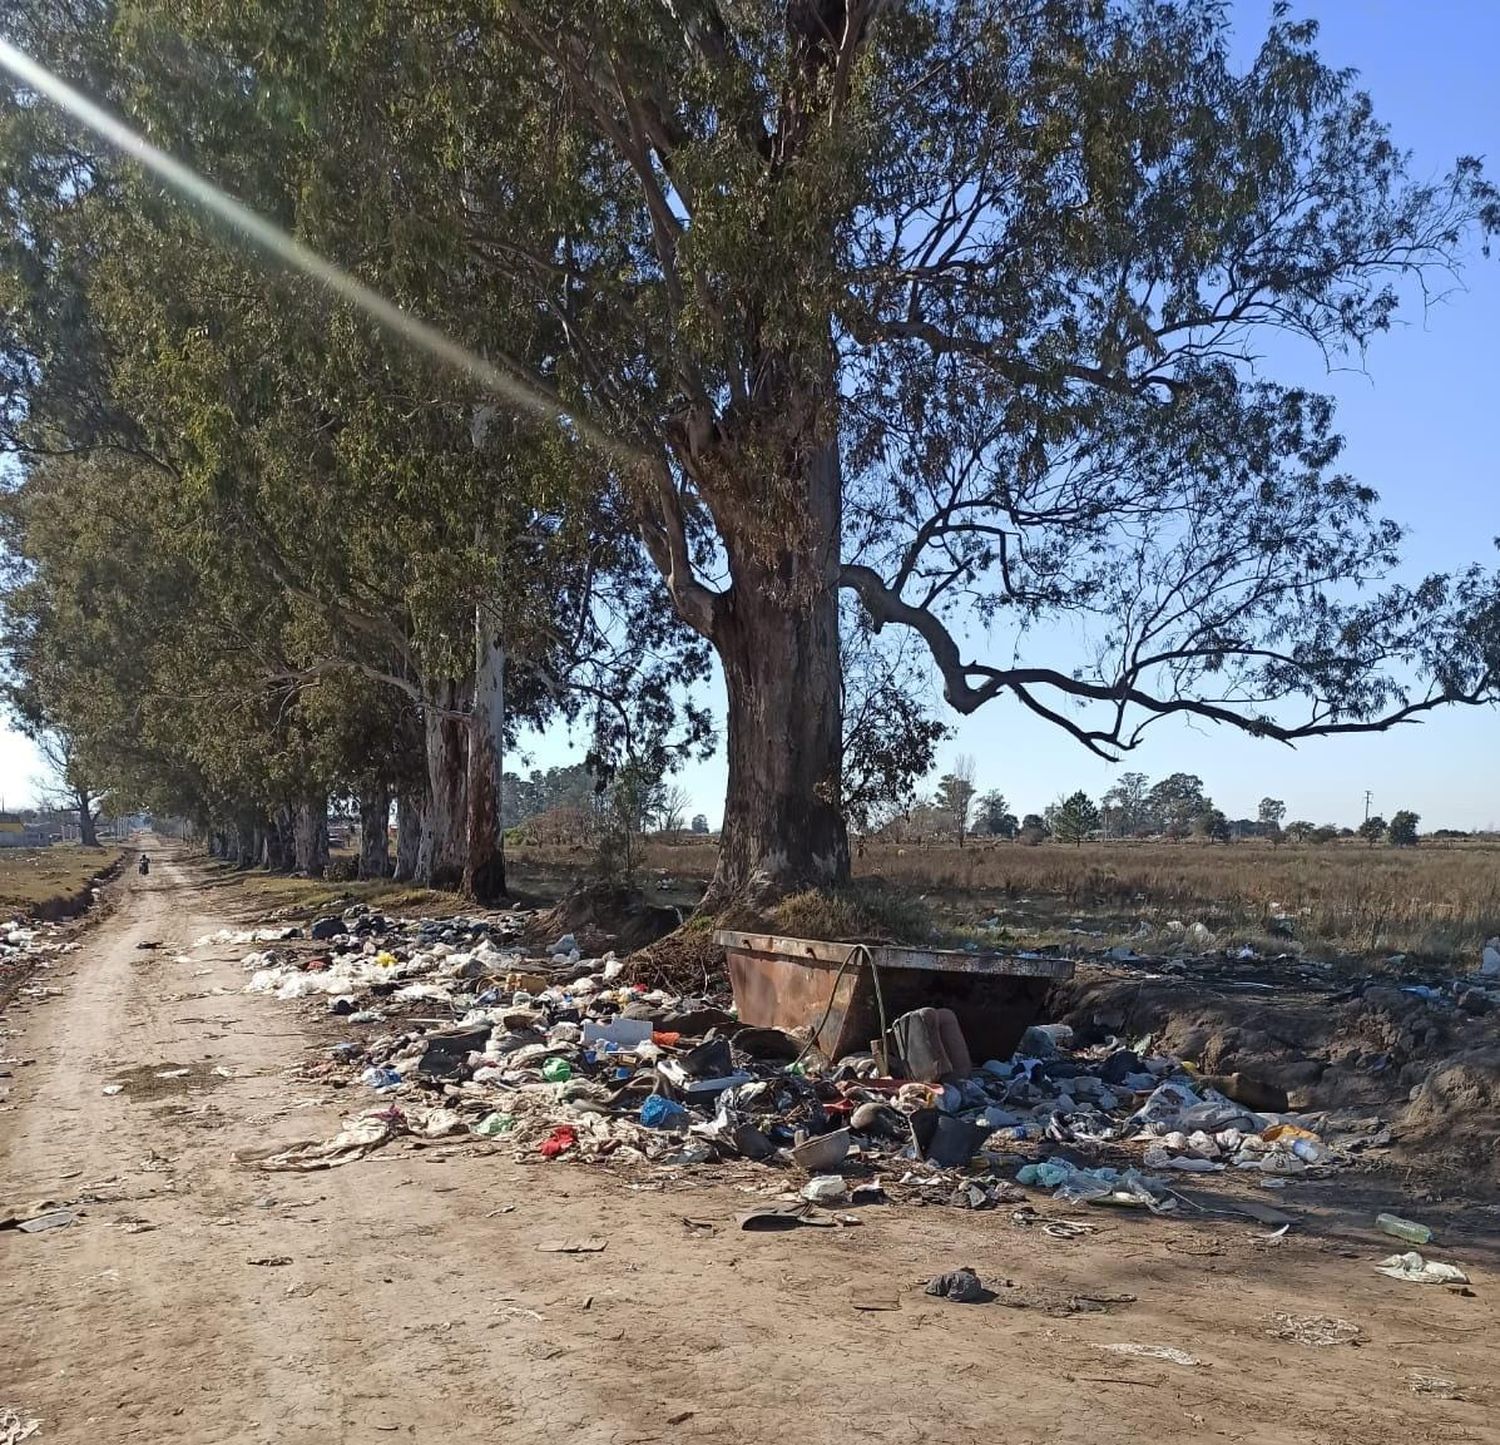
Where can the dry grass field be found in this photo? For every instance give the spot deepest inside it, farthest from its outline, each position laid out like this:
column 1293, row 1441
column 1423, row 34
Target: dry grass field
column 1439, row 901
column 46, row 882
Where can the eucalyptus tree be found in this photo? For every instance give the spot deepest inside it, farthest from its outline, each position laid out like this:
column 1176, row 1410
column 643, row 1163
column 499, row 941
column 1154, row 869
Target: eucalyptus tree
column 955, row 307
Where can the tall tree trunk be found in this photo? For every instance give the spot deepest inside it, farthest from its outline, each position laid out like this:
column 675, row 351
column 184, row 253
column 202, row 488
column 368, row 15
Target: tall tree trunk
column 311, row 835
column 246, row 844
column 88, row 834
column 484, row 857
column 409, row 810
column 280, row 849
column 440, row 860
column 374, row 831
column 777, row 635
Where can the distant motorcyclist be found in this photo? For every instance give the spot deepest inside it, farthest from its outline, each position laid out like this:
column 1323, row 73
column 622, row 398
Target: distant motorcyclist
column 144, row 865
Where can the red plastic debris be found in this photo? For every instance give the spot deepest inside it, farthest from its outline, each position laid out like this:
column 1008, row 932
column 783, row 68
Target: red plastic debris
column 561, row 1138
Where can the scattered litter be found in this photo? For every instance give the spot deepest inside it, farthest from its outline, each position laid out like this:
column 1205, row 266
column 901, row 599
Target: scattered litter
column 112, row 1089
column 825, row 1189
column 1404, row 1229
column 1423, row 1384
column 1068, row 1229
column 356, row 1139
column 271, row 1261
column 558, row 1058
column 583, row 1244
column 962, row 1286
column 1411, row 1266
column 1154, row 1352
column 1489, row 960
column 561, row 1139
column 770, row 1217
column 1249, row 1208
column 825, row 1152
column 16, row 1427
column 52, row 1219
column 1316, row 1330
column 658, row 1112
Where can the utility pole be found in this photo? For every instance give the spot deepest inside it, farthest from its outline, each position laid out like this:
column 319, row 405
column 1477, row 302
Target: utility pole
column 1368, row 796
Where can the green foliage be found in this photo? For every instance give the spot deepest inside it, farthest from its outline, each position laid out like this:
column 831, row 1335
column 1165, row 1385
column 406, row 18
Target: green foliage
column 1126, row 810
column 1074, row 818
column 572, row 786
column 1403, row 829
column 993, row 817
column 956, row 794
column 890, row 737
column 1372, row 830
column 275, row 532
column 954, row 310
column 631, row 797
column 1176, row 803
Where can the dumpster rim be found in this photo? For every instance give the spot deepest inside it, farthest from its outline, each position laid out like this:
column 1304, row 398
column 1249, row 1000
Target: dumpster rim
column 896, row 956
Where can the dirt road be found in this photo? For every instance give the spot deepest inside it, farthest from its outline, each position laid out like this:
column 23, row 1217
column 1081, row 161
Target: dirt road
column 405, row 1296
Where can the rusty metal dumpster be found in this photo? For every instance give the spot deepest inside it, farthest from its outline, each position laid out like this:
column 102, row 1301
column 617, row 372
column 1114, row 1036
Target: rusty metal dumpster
column 802, row 983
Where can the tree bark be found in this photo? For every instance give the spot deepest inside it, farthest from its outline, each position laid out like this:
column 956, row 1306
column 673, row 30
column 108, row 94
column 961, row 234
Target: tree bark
column 311, row 837
column 777, row 635
column 246, row 844
column 409, row 810
column 279, row 851
column 88, row 834
column 484, row 856
column 374, row 831
column 440, row 860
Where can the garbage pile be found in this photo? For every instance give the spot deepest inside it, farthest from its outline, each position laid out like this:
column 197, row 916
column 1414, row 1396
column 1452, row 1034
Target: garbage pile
column 457, row 1031
column 26, row 946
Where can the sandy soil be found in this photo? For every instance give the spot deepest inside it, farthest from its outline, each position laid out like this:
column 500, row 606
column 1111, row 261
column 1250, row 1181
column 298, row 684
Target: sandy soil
column 405, row 1296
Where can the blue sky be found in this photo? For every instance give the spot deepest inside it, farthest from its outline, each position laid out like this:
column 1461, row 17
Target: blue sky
column 1422, row 429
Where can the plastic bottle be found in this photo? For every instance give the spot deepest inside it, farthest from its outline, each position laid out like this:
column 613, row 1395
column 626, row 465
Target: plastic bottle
column 1406, row 1229
column 1312, row 1151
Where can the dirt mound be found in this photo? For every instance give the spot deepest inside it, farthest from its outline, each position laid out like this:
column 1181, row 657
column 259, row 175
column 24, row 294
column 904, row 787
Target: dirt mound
column 1454, row 1114
column 1430, row 1069
column 601, row 917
